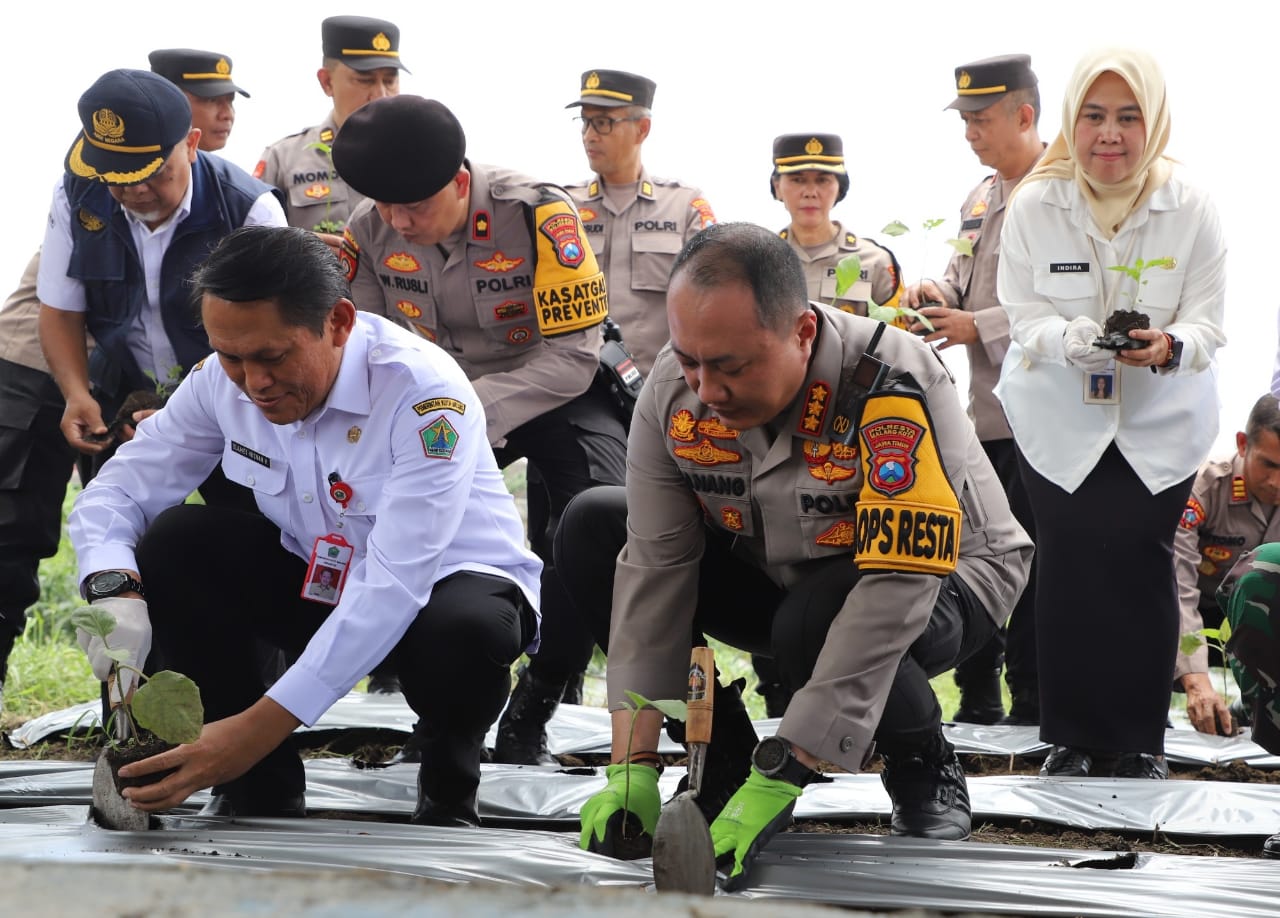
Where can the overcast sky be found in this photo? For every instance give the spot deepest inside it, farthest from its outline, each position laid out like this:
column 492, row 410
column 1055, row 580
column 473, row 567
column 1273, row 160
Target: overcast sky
column 730, row 77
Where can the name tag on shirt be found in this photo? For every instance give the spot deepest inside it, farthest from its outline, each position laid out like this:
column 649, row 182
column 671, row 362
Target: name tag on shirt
column 1068, row 267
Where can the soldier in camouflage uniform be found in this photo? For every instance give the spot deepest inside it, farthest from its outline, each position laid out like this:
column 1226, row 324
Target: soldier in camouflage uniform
column 1250, row 600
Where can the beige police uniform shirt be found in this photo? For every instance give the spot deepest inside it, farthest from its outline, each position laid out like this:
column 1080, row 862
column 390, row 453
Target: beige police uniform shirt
column 881, row 278
column 1222, row 522
column 19, row 322
column 788, row 500
column 970, row 283
column 636, row 244
column 477, row 295
column 313, row 190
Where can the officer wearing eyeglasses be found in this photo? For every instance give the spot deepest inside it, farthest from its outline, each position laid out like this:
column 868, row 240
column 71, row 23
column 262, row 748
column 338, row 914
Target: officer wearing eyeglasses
column 636, row 223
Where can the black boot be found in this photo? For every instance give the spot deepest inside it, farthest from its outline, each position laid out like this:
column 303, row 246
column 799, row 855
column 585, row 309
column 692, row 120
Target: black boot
column 1025, row 709
column 1271, row 847
column 928, row 790
column 728, row 761
column 448, row 779
column 522, row 729
column 980, row 701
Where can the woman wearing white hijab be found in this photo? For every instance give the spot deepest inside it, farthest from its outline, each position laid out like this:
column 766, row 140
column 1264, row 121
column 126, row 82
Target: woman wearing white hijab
column 1109, row 479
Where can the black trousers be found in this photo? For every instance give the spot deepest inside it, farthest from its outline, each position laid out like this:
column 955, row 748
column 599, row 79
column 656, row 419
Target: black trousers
column 1106, row 607
column 739, row 605
column 453, row 662
column 35, row 465
column 570, row 449
column 1015, row 646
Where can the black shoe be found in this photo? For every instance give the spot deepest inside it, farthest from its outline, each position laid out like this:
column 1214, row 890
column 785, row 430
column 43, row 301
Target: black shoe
column 1025, row 709
column 448, row 778
column 1140, row 765
column 522, row 729
column 728, row 761
column 411, row 752
column 383, row 684
column 1066, row 762
column 458, row 815
column 929, row 793
column 1271, row 847
column 980, row 700
column 237, row 804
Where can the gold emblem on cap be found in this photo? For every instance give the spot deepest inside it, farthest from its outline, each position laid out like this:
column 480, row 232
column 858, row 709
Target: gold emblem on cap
column 223, row 67
column 353, row 435
column 381, row 42
column 108, row 126
column 964, row 80
column 593, row 81
column 813, row 147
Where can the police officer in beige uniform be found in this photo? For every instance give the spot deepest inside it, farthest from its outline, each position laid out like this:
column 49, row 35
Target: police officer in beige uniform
column 863, row 541
column 636, row 223
column 361, row 63
column 494, row 267
column 999, row 103
column 1231, row 510
column 810, row 178
column 35, row 458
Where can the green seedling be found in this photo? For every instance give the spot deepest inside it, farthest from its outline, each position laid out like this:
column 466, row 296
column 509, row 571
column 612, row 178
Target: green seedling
column 327, row 224
column 165, row 703
column 1135, row 271
column 675, row 709
column 165, row 387
column 1214, row 637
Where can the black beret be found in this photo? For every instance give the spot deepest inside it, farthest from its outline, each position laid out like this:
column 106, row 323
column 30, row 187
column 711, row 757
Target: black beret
column 399, row 150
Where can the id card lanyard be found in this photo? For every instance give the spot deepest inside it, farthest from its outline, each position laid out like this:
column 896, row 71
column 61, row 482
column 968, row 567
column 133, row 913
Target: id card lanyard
column 331, row 554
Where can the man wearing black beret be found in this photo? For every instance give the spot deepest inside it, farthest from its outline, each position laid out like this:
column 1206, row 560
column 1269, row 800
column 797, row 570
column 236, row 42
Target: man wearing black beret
column 494, row 267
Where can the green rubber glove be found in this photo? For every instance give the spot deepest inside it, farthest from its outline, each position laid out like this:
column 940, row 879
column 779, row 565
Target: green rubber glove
column 754, row 814
column 604, row 814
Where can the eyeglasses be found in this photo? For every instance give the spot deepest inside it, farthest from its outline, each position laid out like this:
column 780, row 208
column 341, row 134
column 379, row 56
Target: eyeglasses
column 602, row 124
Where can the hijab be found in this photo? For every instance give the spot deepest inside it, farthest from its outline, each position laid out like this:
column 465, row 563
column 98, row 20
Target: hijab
column 1111, row 203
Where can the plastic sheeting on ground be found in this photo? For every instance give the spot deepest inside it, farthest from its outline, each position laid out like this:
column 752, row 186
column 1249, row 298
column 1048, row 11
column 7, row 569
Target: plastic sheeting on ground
column 856, row 871
column 578, row 730
column 513, row 794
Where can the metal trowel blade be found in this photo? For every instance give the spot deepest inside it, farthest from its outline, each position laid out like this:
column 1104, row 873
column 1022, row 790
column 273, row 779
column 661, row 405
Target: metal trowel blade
column 684, row 859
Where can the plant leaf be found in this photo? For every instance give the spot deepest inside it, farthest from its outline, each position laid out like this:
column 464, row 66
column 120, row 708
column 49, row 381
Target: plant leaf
column 1211, row 634
column 933, row 224
column 848, row 273
column 638, row 701
column 676, row 710
column 120, row 655
column 963, row 246
column 884, row 314
column 1189, row 642
column 1225, row 630
column 94, row 620
column 914, row 314
column 322, row 147
column 168, row 704
column 896, row 228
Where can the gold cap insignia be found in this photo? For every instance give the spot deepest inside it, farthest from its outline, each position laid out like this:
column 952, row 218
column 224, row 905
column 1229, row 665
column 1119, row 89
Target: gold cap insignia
column 963, row 81
column 381, row 42
column 593, row 81
column 353, row 435
column 108, row 127
column 223, row 67
column 813, row 147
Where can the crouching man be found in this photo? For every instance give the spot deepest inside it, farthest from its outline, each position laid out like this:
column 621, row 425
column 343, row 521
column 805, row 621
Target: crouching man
column 801, row 483
column 366, row 451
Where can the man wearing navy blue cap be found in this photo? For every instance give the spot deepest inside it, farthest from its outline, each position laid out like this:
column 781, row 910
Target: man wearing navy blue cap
column 138, row 208
column 205, row 78
column 361, row 63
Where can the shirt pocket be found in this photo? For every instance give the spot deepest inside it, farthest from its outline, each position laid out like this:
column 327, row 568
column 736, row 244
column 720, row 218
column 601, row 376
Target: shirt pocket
column 1161, row 295
column 311, row 198
column 652, row 255
column 1071, row 293
column 262, row 474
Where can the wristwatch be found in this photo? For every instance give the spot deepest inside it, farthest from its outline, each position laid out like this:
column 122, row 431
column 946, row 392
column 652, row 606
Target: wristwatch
column 774, row 758
column 105, row 584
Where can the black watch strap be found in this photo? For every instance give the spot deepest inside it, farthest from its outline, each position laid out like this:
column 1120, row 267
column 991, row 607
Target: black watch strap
column 791, row 769
column 119, row 583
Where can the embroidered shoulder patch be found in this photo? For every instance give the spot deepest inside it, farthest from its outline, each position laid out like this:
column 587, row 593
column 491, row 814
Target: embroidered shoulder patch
column 439, row 439
column 1193, row 515
column 440, row 404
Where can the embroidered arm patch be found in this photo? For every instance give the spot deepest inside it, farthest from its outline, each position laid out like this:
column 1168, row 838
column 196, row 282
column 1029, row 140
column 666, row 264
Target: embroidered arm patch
column 568, row 285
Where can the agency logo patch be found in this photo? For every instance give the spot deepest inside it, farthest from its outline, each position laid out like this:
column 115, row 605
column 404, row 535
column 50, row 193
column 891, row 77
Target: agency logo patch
column 402, row 262
column 317, row 191
column 891, row 445
column 1193, row 515
column 732, row 518
column 562, row 230
column 439, row 439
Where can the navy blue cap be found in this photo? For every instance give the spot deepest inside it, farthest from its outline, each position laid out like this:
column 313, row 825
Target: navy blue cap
column 132, row 120
column 205, row 74
column 361, row 42
column 615, row 88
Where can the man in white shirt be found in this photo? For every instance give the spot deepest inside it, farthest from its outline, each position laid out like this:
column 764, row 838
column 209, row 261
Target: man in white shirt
column 366, row 452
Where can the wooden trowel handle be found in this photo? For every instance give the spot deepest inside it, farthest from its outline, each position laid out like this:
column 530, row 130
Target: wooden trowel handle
column 701, row 700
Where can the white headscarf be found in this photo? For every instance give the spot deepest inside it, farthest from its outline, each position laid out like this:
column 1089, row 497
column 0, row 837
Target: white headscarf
column 1112, row 203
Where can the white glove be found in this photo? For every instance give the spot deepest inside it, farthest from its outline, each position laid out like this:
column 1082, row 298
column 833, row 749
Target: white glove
column 133, row 634
column 1078, row 346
